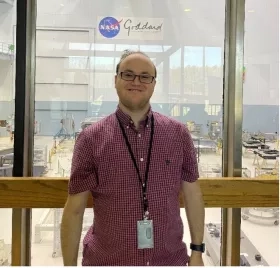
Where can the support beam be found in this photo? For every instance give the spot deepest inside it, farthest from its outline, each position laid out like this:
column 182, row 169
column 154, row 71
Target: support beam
column 164, row 55
column 233, row 111
column 24, row 124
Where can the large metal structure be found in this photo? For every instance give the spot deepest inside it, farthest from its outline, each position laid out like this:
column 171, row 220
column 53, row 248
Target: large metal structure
column 261, row 215
column 67, row 127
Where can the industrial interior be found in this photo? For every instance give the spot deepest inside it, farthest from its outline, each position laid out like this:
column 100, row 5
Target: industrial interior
column 74, row 88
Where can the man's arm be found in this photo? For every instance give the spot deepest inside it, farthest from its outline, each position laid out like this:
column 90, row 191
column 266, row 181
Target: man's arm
column 195, row 211
column 192, row 195
column 83, row 180
column 71, row 227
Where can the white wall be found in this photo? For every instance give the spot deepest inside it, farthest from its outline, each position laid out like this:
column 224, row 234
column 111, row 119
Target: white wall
column 6, row 80
column 7, row 22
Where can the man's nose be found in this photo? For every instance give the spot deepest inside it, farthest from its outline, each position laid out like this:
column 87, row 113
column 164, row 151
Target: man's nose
column 136, row 80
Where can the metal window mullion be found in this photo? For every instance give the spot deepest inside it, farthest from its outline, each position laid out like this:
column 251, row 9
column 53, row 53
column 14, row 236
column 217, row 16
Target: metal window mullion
column 232, row 132
column 24, row 124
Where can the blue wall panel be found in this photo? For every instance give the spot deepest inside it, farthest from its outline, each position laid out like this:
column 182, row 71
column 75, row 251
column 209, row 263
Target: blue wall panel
column 264, row 118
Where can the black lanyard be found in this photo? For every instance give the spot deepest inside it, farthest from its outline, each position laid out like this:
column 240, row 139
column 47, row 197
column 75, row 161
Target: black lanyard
column 144, row 185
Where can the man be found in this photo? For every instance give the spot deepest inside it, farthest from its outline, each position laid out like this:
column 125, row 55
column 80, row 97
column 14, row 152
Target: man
column 134, row 163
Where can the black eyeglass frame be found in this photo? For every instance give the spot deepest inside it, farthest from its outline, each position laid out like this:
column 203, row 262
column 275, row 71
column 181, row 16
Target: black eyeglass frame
column 137, row 75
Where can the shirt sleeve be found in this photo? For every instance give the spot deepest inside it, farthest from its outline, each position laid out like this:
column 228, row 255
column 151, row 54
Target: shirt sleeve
column 190, row 168
column 83, row 171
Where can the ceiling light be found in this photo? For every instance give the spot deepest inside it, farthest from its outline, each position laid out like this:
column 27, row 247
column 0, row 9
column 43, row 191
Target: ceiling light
column 251, row 11
column 187, row 10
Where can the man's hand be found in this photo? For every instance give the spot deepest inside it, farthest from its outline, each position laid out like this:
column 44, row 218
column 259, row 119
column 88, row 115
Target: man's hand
column 196, row 259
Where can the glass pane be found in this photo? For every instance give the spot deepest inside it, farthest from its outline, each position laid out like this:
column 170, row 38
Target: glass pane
column 175, row 76
column 260, row 226
column 212, row 235
column 102, row 63
column 122, row 47
column 79, row 88
column 46, row 247
column 7, row 87
column 5, row 237
column 103, row 47
column 7, row 103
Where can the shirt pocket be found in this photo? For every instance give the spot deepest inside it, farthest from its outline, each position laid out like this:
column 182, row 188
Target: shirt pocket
column 167, row 165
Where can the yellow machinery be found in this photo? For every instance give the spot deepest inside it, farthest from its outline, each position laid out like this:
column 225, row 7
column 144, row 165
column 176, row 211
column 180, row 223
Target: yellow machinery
column 193, row 127
column 214, row 130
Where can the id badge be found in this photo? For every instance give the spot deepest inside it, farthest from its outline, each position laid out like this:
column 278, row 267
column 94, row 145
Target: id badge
column 145, row 234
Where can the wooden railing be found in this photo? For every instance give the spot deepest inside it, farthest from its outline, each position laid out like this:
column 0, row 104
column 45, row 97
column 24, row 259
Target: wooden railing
column 52, row 193
column 218, row 192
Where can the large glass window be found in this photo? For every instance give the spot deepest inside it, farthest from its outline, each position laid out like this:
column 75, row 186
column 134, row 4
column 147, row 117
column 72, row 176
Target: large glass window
column 7, row 103
column 260, row 226
column 75, row 88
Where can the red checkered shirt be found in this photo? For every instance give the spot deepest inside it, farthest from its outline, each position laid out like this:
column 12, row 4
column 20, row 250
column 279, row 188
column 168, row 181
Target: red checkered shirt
column 102, row 164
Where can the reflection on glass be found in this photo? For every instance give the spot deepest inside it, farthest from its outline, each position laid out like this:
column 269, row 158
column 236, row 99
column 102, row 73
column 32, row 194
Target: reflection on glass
column 117, row 59
column 104, row 80
column 7, row 122
column 194, row 80
column 151, row 48
column 175, row 72
column 213, row 56
column 193, row 56
column 5, row 237
column 79, row 90
column 166, row 48
column 79, row 46
column 121, row 47
column 260, row 226
column 103, row 47
column 46, row 248
column 78, row 62
column 102, row 63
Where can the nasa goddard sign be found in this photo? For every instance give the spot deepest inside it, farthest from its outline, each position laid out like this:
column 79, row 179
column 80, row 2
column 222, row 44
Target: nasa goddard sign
column 129, row 28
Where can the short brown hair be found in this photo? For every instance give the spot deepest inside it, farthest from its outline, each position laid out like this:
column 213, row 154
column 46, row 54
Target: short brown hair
column 128, row 52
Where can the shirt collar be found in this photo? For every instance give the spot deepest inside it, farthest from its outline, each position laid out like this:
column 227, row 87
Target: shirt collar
column 126, row 120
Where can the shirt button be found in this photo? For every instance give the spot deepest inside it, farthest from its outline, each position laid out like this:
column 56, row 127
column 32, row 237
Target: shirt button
column 148, row 263
column 141, row 159
column 139, row 135
column 127, row 126
column 147, row 126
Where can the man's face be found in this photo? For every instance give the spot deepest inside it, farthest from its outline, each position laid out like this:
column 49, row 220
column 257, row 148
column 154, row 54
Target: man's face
column 135, row 94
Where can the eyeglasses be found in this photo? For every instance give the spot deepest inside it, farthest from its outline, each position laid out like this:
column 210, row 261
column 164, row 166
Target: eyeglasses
column 143, row 78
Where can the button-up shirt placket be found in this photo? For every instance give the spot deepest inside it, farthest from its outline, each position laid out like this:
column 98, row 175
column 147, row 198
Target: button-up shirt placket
column 140, row 140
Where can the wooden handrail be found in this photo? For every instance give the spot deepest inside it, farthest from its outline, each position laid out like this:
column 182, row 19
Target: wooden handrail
column 218, row 192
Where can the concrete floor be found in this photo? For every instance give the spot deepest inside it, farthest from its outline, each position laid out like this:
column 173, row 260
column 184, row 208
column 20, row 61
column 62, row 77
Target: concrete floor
column 263, row 234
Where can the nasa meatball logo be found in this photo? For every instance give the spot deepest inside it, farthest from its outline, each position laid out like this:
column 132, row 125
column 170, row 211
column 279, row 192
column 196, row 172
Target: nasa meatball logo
column 109, row 27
